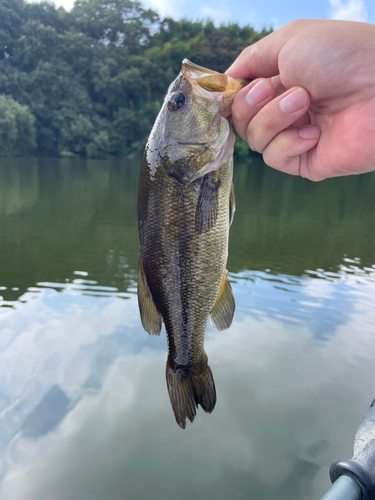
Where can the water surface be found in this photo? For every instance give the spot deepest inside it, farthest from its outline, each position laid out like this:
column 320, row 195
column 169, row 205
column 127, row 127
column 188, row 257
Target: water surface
column 84, row 409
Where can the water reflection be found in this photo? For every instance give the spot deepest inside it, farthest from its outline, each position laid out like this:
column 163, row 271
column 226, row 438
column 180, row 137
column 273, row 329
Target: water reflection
column 84, row 412
column 58, row 216
column 83, row 388
column 321, row 299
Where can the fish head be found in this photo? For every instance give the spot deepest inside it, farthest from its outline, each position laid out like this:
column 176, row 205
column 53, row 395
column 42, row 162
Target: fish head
column 192, row 135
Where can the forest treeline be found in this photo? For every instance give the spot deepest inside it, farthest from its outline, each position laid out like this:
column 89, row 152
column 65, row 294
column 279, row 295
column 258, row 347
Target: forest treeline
column 91, row 81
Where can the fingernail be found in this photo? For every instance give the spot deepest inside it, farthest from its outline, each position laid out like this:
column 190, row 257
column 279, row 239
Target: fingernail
column 258, row 93
column 309, row 132
column 294, row 101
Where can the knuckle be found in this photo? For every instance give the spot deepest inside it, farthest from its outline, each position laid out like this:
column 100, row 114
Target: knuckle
column 258, row 130
column 294, row 26
column 245, row 52
column 276, row 153
column 266, row 118
column 284, row 142
column 241, row 116
column 269, row 159
column 250, row 139
column 275, row 159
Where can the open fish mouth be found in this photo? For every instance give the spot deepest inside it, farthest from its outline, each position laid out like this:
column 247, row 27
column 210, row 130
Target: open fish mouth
column 213, row 86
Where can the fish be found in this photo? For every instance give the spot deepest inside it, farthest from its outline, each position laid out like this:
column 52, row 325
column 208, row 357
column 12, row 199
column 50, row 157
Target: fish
column 185, row 207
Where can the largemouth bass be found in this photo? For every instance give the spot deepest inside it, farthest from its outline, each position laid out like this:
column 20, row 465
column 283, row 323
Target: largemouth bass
column 185, row 207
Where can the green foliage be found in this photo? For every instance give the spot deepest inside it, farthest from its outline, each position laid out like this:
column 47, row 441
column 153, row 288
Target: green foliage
column 17, row 131
column 94, row 78
column 10, row 25
column 119, row 22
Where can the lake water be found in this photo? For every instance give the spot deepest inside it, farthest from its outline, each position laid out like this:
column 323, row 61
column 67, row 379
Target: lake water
column 84, row 409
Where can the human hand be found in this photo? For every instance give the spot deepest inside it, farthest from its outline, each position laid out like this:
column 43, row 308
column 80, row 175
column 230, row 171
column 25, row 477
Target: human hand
column 311, row 108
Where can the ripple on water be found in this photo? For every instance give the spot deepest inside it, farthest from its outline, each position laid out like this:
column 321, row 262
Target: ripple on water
column 320, row 299
column 77, row 286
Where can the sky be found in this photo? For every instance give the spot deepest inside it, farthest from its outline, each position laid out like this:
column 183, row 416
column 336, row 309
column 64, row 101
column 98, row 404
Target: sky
column 259, row 13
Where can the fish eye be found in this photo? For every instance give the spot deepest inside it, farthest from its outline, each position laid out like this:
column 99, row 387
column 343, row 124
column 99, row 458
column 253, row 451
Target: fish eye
column 176, row 101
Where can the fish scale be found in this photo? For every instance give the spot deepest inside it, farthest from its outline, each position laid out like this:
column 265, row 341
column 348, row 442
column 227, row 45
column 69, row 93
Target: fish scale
column 192, row 283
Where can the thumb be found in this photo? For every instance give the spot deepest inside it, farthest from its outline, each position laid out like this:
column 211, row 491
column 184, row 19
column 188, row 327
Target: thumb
column 259, row 60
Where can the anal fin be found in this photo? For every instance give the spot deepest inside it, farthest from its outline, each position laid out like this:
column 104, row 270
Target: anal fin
column 223, row 310
column 151, row 318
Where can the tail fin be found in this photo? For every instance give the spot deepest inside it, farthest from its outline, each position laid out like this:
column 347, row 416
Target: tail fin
column 188, row 387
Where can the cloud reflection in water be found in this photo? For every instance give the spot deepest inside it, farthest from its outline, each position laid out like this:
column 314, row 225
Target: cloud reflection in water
column 84, row 411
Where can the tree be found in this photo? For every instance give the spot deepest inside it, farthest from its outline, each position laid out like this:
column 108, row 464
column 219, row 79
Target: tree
column 118, row 22
column 17, row 130
column 10, row 25
column 93, row 79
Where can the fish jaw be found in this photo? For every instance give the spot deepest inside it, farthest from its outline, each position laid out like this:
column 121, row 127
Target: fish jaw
column 233, row 87
column 192, row 70
column 209, row 85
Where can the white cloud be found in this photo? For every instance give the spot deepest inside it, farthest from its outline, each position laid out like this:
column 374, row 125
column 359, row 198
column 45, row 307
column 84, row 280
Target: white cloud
column 217, row 14
column 166, row 8
column 352, row 10
column 276, row 23
column 67, row 4
column 319, row 289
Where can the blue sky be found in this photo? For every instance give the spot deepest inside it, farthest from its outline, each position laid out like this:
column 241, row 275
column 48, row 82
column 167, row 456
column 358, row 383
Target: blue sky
column 260, row 13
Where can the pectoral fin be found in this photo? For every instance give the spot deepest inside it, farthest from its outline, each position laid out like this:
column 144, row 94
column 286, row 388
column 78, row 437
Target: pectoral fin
column 207, row 205
column 232, row 204
column 150, row 316
column 223, row 311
